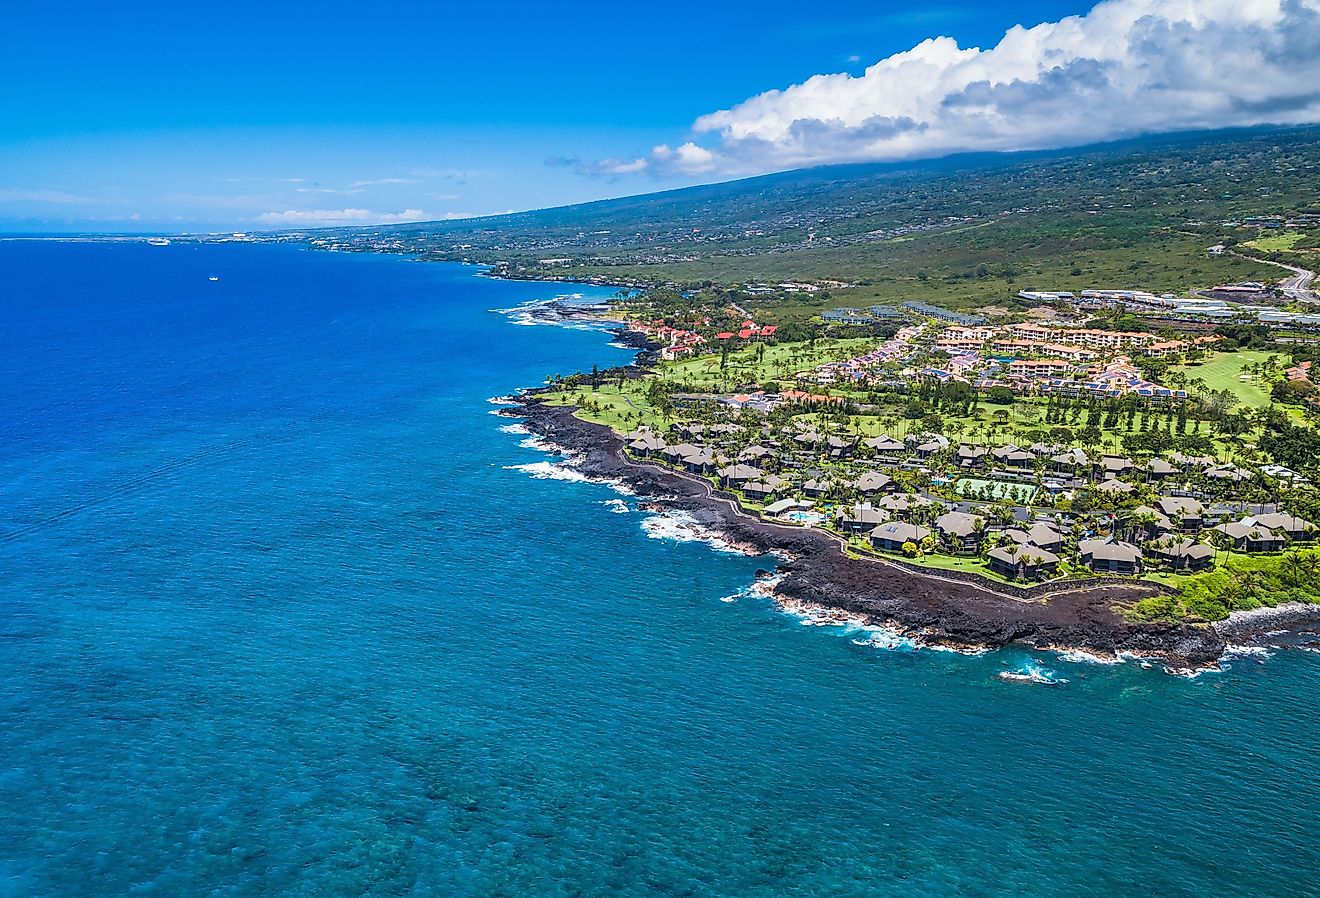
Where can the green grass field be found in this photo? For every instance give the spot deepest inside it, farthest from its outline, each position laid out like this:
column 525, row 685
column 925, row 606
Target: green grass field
column 756, row 364
column 1277, row 243
column 1224, row 372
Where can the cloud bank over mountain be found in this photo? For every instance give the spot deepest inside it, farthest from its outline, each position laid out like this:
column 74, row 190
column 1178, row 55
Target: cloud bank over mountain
column 1126, row 68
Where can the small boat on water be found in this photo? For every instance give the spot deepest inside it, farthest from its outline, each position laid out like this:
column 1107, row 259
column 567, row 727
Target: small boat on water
column 213, row 278
column 158, row 241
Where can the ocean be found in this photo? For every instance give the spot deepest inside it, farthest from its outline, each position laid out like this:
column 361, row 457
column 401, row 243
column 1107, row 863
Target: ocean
column 285, row 610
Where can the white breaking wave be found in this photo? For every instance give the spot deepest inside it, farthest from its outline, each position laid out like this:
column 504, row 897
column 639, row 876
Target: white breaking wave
column 545, row 470
column 548, row 470
column 1078, row 656
column 618, row 506
column 560, row 470
column 541, row 444
column 514, row 428
column 861, row 632
column 530, row 314
column 1257, row 652
column 763, row 588
column 680, row 527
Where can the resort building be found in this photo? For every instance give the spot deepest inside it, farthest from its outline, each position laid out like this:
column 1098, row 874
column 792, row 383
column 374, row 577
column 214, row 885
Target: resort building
column 1022, row 562
column 893, row 535
column 1110, row 556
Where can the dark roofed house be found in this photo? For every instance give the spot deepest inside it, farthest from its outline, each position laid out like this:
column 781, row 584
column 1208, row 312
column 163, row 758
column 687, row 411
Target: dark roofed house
column 1228, row 473
column 1017, row 458
column 928, row 444
column 839, row 447
column 1114, row 465
column 735, row 474
column 885, row 445
column 1070, row 460
column 901, row 503
column 676, row 452
column 1191, row 461
column 1289, row 525
column 1015, row 535
column 1183, row 554
column 817, row 487
column 893, row 535
column 1158, row 469
column 1022, row 562
column 646, row 445
column 1113, row 488
column 874, row 482
column 961, row 531
column 1158, row 524
column 1186, row 513
column 1250, row 537
column 860, row 518
column 970, row 456
column 1110, row 556
column 1046, row 537
column 762, row 488
column 699, row 462
column 640, row 431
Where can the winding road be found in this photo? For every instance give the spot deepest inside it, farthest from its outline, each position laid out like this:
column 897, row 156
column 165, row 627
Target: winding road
column 1297, row 287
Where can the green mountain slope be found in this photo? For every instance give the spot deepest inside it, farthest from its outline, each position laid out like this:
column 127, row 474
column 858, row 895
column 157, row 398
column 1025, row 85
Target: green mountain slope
column 962, row 230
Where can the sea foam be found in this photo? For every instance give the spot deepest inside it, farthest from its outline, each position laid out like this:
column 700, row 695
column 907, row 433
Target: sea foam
column 680, row 527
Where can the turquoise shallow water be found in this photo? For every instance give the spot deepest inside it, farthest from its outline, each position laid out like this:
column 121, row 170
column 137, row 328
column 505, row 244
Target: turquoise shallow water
column 280, row 616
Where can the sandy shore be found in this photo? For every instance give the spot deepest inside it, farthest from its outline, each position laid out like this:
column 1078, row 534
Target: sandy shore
column 816, row 572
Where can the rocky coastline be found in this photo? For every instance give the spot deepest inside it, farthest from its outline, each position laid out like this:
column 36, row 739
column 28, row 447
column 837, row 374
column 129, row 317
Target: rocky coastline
column 814, row 571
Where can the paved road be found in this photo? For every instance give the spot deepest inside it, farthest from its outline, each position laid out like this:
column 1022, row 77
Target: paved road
column 1297, row 287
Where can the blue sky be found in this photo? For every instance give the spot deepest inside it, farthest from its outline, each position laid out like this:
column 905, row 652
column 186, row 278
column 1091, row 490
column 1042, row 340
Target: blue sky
column 237, row 115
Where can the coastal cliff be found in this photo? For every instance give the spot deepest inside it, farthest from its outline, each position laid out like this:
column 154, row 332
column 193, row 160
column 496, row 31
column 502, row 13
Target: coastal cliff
column 934, row 609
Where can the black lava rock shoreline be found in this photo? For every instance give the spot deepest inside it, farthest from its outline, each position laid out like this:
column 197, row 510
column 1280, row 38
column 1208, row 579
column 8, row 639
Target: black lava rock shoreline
column 938, row 611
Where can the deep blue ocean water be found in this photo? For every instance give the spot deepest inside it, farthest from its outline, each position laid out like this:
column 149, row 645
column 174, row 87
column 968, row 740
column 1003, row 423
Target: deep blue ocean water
column 280, row 615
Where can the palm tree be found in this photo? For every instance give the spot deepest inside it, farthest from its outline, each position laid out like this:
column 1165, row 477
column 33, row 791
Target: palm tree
column 1141, row 522
column 1002, row 514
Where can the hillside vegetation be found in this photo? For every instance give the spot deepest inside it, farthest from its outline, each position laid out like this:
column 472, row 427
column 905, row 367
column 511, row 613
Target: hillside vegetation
column 961, row 231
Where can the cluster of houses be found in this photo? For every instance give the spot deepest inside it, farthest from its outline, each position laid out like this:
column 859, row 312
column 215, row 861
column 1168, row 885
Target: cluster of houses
column 896, row 349
column 678, row 342
column 1027, row 358
column 857, row 486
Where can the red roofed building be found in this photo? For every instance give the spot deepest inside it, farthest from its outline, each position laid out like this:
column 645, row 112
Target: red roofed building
column 724, row 336
column 802, row 396
column 769, row 330
column 745, row 333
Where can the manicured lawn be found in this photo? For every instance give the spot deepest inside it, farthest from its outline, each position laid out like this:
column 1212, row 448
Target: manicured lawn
column 1224, row 372
column 778, row 362
column 970, row 564
column 621, row 410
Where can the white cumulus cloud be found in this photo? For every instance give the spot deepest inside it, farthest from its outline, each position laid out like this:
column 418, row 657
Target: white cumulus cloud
column 1126, row 68
column 339, row 217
